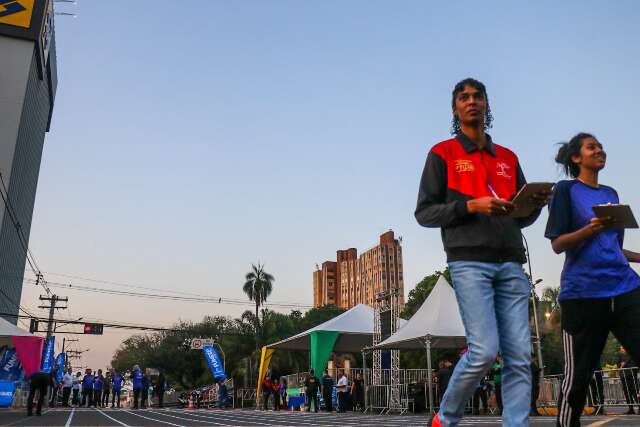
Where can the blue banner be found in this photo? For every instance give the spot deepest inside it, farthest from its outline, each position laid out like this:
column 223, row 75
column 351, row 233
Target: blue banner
column 10, row 366
column 7, row 388
column 60, row 359
column 217, row 369
column 47, row 355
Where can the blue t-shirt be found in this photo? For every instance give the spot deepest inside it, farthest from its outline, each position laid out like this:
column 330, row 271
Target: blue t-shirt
column 117, row 382
column 87, row 382
column 97, row 384
column 597, row 268
column 137, row 378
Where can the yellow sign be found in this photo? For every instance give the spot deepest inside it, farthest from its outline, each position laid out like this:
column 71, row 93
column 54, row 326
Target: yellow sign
column 16, row 12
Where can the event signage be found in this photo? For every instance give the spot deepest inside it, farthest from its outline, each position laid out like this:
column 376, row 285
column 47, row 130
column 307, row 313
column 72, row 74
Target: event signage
column 60, row 359
column 199, row 343
column 7, row 389
column 16, row 13
column 47, row 355
column 217, row 369
column 10, row 366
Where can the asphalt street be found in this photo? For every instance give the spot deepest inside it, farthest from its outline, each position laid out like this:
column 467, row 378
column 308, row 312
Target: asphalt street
column 239, row 417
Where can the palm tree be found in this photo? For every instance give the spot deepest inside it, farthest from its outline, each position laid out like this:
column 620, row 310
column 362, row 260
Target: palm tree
column 258, row 287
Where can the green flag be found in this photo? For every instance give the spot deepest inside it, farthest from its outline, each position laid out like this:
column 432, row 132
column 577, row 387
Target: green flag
column 322, row 343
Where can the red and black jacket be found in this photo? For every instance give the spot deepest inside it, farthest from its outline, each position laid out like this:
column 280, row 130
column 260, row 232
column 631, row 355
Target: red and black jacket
column 457, row 171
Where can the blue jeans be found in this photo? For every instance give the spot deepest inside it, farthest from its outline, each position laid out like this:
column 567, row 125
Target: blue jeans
column 494, row 304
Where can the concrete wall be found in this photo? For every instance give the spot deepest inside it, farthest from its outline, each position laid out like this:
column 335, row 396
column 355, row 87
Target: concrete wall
column 24, row 112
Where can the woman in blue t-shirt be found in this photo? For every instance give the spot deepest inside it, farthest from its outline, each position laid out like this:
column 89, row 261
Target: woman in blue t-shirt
column 599, row 291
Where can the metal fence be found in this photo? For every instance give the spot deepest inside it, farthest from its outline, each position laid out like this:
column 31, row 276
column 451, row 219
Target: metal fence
column 246, row 397
column 208, row 396
column 608, row 387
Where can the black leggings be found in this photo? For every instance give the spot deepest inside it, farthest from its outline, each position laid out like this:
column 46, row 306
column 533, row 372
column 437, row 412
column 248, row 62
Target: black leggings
column 586, row 323
column 115, row 397
column 136, row 397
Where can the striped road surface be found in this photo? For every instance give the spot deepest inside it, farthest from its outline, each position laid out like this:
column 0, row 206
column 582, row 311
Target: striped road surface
column 238, row 417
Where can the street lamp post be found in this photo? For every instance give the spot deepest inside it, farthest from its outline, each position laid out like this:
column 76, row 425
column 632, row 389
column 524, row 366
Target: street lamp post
column 224, row 364
column 535, row 321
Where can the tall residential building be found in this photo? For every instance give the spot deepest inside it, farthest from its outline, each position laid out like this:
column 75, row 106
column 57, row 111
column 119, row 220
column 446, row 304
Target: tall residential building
column 324, row 285
column 28, row 82
column 359, row 279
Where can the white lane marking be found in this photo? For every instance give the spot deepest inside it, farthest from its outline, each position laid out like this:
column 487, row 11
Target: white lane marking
column 152, row 419
column 185, row 419
column 25, row 418
column 600, row 423
column 112, row 419
column 243, row 416
column 70, row 418
column 217, row 416
column 298, row 419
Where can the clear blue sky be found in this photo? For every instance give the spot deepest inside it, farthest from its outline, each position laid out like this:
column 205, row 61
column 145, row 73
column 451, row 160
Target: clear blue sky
column 192, row 138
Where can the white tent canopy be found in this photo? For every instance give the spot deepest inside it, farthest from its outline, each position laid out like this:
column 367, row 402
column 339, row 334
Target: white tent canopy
column 355, row 327
column 438, row 319
column 8, row 329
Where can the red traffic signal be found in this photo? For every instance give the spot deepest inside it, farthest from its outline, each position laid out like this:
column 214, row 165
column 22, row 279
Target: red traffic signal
column 93, row 328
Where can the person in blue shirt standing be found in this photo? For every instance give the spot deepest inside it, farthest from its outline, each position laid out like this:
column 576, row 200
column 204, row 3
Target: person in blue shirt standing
column 136, row 378
column 117, row 381
column 599, row 291
column 87, row 389
column 98, row 382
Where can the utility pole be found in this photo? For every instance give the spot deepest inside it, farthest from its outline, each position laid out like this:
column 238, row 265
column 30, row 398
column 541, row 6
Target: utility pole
column 53, row 300
column 67, row 340
column 75, row 354
column 66, row 359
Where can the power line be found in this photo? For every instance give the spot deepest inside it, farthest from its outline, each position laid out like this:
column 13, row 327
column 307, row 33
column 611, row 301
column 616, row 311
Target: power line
column 4, row 192
column 117, row 325
column 181, row 293
column 11, row 300
column 167, row 296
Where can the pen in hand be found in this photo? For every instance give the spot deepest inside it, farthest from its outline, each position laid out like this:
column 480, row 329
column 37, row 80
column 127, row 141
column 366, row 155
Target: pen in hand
column 495, row 195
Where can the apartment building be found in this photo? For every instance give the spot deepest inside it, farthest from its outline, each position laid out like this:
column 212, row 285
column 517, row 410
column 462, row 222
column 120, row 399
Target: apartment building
column 354, row 279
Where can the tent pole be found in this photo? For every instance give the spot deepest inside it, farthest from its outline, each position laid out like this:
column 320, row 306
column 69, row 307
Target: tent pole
column 430, row 375
column 364, row 377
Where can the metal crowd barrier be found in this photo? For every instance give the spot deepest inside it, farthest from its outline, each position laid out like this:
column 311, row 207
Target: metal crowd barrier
column 608, row 387
column 377, row 398
column 247, row 395
column 208, row 395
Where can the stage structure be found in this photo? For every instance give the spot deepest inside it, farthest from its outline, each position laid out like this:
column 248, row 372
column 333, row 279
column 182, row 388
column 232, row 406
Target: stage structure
column 386, row 319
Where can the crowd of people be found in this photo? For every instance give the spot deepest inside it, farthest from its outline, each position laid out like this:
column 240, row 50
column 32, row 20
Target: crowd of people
column 274, row 390
column 349, row 394
column 94, row 389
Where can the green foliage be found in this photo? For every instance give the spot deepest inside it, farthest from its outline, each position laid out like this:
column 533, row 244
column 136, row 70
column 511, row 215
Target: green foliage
column 258, row 286
column 185, row 368
column 170, row 351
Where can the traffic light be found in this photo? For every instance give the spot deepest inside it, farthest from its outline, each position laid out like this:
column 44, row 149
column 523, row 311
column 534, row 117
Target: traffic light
column 33, row 326
column 93, row 328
